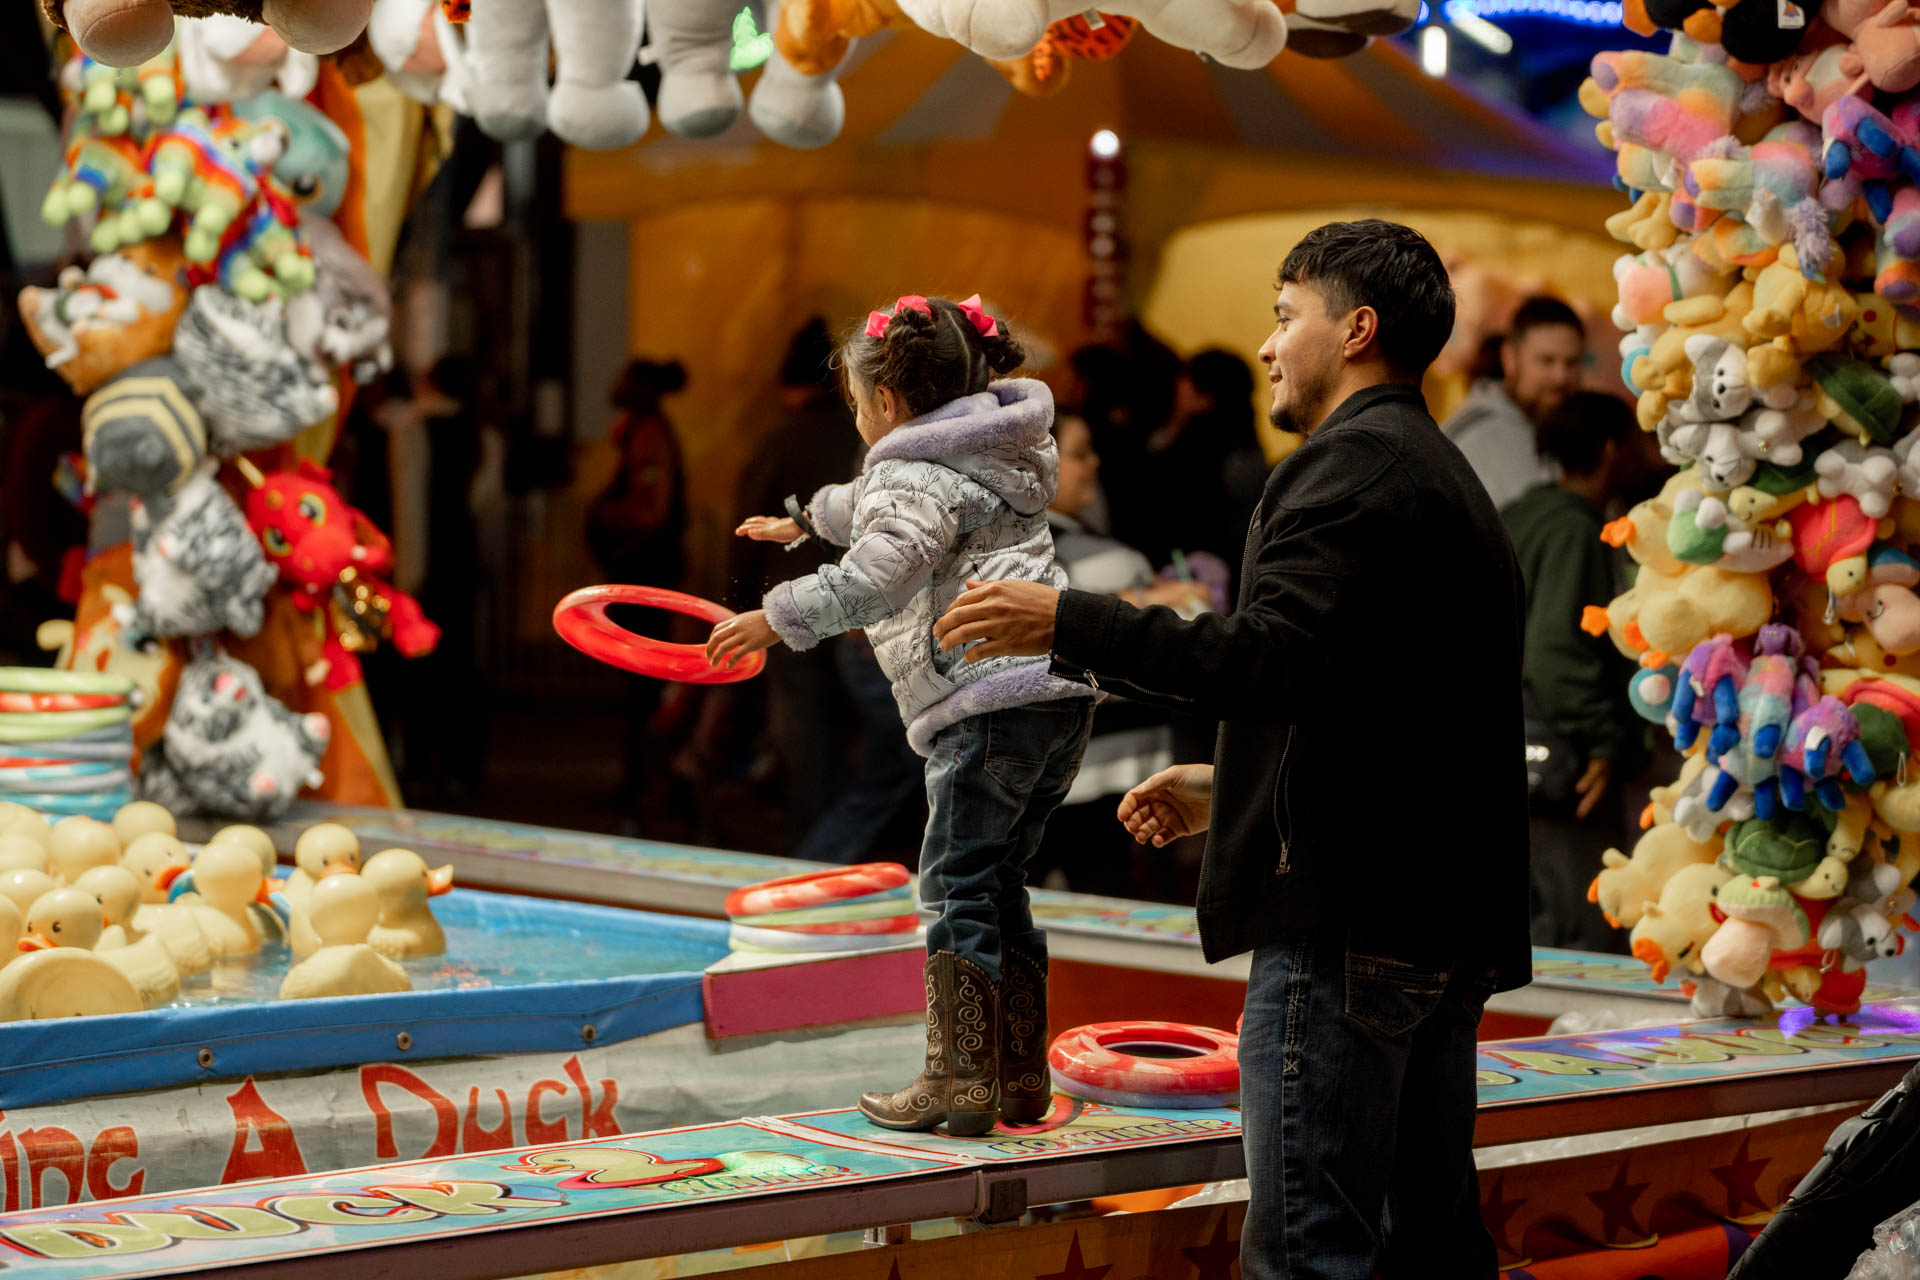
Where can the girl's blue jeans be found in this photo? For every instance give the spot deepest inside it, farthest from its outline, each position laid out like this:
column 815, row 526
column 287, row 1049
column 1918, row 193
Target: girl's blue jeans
column 992, row 782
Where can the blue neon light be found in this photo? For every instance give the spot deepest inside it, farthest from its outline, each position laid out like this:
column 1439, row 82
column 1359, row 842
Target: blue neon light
column 1599, row 13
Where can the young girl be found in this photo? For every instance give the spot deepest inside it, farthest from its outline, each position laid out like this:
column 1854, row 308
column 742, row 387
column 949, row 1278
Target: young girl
column 955, row 487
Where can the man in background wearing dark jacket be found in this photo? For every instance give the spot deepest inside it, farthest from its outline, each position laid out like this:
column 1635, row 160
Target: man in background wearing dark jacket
column 1366, row 806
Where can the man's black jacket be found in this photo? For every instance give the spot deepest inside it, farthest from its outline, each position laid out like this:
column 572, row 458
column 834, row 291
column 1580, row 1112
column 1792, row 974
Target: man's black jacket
column 1370, row 770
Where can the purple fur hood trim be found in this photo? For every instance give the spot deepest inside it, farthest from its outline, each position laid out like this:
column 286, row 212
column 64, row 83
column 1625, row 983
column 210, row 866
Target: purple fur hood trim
column 784, row 617
column 1019, row 685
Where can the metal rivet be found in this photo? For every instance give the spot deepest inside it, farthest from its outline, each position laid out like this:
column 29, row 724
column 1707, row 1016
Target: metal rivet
column 206, row 1058
column 404, row 1041
column 589, row 1033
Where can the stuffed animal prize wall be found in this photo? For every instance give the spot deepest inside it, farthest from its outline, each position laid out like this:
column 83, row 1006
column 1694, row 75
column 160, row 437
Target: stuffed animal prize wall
column 1771, row 297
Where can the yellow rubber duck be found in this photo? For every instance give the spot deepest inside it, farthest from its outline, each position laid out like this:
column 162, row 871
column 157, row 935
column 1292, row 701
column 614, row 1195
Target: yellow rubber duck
column 324, row 850
column 407, row 927
column 17, row 851
column 18, row 820
column 255, row 839
column 80, row 844
column 227, row 878
column 117, row 890
column 25, row 885
column 12, row 924
column 142, row 817
column 343, row 910
column 72, row 918
column 156, row 860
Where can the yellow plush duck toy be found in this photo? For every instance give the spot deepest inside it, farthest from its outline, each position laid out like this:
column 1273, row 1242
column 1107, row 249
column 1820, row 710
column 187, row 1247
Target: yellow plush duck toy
column 343, row 911
column 407, row 927
column 72, row 918
column 80, row 844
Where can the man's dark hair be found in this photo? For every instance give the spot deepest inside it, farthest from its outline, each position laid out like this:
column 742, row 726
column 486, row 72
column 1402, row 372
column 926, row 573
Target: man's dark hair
column 1543, row 312
column 1390, row 268
column 1576, row 434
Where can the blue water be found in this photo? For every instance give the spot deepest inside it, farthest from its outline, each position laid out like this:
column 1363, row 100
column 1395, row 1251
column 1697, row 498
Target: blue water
column 501, row 940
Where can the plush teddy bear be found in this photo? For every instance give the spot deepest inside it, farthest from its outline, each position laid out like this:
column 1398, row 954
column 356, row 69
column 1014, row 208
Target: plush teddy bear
column 1672, row 930
column 125, row 33
column 1647, row 225
column 119, row 311
column 197, row 565
column 1868, row 473
column 1236, row 33
column 228, row 59
column 1664, row 373
column 1795, row 316
column 1886, row 36
column 1625, row 885
column 590, row 103
column 423, row 53
column 1651, row 281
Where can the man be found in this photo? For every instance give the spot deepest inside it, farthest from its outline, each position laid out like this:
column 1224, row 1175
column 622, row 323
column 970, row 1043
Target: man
column 1576, row 684
column 1367, row 800
column 1542, row 360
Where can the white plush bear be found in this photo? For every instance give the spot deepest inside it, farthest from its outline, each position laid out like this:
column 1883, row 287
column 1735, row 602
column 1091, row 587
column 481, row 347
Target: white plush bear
column 1869, row 473
column 1236, row 33
column 591, row 102
column 424, row 55
column 691, row 41
column 228, row 59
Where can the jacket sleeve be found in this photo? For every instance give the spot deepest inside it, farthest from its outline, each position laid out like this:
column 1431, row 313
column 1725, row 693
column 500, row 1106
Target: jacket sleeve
column 905, row 529
column 1258, row 664
column 1578, row 678
column 831, row 510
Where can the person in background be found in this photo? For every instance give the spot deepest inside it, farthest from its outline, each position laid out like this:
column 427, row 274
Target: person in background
column 1542, row 361
column 636, row 530
column 1130, row 739
column 1207, row 461
column 1575, row 684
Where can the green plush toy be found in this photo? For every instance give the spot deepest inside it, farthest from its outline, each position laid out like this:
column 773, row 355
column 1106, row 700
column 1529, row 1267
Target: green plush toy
column 1857, row 398
column 1791, row 849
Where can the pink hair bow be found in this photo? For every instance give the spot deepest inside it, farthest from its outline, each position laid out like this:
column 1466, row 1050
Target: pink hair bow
column 985, row 324
column 877, row 321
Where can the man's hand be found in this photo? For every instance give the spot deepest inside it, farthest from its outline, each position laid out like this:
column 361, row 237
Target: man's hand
column 1172, row 803
column 1592, row 786
column 738, row 636
column 769, row 529
column 1009, row 619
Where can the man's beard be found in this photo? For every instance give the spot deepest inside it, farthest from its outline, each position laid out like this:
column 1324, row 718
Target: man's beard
column 1304, row 409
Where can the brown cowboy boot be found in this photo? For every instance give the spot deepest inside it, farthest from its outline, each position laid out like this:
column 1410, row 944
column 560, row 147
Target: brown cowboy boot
column 1026, row 1087
column 961, row 1082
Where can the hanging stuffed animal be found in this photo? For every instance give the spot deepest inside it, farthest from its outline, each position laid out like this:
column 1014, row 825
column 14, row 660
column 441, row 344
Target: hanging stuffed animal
column 590, row 103
column 228, row 59
column 342, row 322
column 230, row 749
column 196, row 563
column 120, row 310
column 254, row 388
column 124, row 33
column 424, row 54
column 141, row 432
column 334, row 559
column 1237, row 33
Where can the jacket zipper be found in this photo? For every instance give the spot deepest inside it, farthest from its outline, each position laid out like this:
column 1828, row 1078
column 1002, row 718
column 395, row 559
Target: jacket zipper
column 1283, row 816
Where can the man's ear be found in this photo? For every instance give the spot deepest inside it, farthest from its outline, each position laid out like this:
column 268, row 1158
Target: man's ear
column 1363, row 330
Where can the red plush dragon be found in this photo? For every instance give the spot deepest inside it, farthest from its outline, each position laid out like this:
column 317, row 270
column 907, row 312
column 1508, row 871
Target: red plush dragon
column 334, row 558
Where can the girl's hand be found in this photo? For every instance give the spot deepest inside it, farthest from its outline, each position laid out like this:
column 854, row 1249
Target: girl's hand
column 769, row 529
column 738, row 636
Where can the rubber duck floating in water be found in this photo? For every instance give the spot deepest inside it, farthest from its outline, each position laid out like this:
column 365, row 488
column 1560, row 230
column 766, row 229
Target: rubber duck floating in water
column 407, row 927
column 227, row 881
column 70, row 919
column 342, row 910
column 325, row 850
column 142, row 817
column 80, row 844
column 156, row 860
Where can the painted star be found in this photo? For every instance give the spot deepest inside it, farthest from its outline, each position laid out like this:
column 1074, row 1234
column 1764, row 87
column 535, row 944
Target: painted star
column 1216, row 1257
column 1616, row 1206
column 1076, row 1269
column 1498, row 1213
column 1741, row 1177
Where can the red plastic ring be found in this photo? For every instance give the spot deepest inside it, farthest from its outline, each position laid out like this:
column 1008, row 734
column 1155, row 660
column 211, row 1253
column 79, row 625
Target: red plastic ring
column 815, row 888
column 10, row 701
column 1095, row 1055
column 581, row 619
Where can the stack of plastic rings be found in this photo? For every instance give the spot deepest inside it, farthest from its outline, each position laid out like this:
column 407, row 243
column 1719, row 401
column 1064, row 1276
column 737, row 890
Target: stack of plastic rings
column 66, row 741
column 1148, row 1064
column 868, row 907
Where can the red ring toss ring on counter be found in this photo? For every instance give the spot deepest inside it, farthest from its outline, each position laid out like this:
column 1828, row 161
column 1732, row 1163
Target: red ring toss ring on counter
column 844, row 928
column 581, row 619
column 815, row 888
column 1183, row 1066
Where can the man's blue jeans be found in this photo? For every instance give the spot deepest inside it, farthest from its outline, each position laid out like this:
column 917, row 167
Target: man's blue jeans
column 1357, row 1099
column 992, row 782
